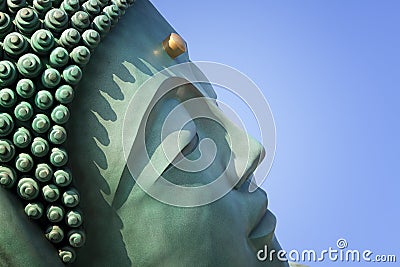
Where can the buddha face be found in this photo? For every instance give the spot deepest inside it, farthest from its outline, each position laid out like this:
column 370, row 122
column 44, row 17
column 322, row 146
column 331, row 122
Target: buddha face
column 163, row 173
column 146, row 145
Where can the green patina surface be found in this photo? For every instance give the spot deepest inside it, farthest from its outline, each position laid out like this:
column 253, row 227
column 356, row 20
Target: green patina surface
column 124, row 225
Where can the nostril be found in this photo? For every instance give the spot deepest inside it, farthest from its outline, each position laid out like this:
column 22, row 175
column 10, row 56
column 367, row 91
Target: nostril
column 253, row 157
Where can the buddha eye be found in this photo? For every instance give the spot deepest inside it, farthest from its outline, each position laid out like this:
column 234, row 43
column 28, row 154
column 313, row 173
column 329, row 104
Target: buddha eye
column 189, row 148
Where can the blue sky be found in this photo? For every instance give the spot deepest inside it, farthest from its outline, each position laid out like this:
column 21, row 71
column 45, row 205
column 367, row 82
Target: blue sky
column 330, row 71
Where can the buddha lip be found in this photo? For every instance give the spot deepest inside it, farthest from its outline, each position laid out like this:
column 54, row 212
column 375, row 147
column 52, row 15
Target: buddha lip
column 259, row 229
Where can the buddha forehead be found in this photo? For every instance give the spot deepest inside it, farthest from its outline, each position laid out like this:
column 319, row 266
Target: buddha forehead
column 140, row 46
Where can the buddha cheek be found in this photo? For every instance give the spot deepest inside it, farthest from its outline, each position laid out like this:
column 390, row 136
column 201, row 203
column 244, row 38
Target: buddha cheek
column 161, row 231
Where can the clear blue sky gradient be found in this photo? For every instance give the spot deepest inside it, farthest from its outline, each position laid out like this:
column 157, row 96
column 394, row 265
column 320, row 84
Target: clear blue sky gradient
column 330, row 71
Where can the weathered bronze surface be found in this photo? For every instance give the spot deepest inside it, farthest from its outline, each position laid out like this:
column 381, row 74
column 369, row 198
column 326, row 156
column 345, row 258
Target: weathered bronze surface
column 67, row 76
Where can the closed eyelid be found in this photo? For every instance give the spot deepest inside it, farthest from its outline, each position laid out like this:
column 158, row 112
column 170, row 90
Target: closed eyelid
column 180, row 128
column 250, row 153
column 189, row 148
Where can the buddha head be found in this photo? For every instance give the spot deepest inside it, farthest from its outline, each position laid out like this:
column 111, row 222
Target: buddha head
column 113, row 148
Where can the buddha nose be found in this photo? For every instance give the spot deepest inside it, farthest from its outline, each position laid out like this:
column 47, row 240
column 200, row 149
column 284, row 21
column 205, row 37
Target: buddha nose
column 254, row 158
column 244, row 154
column 247, row 154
